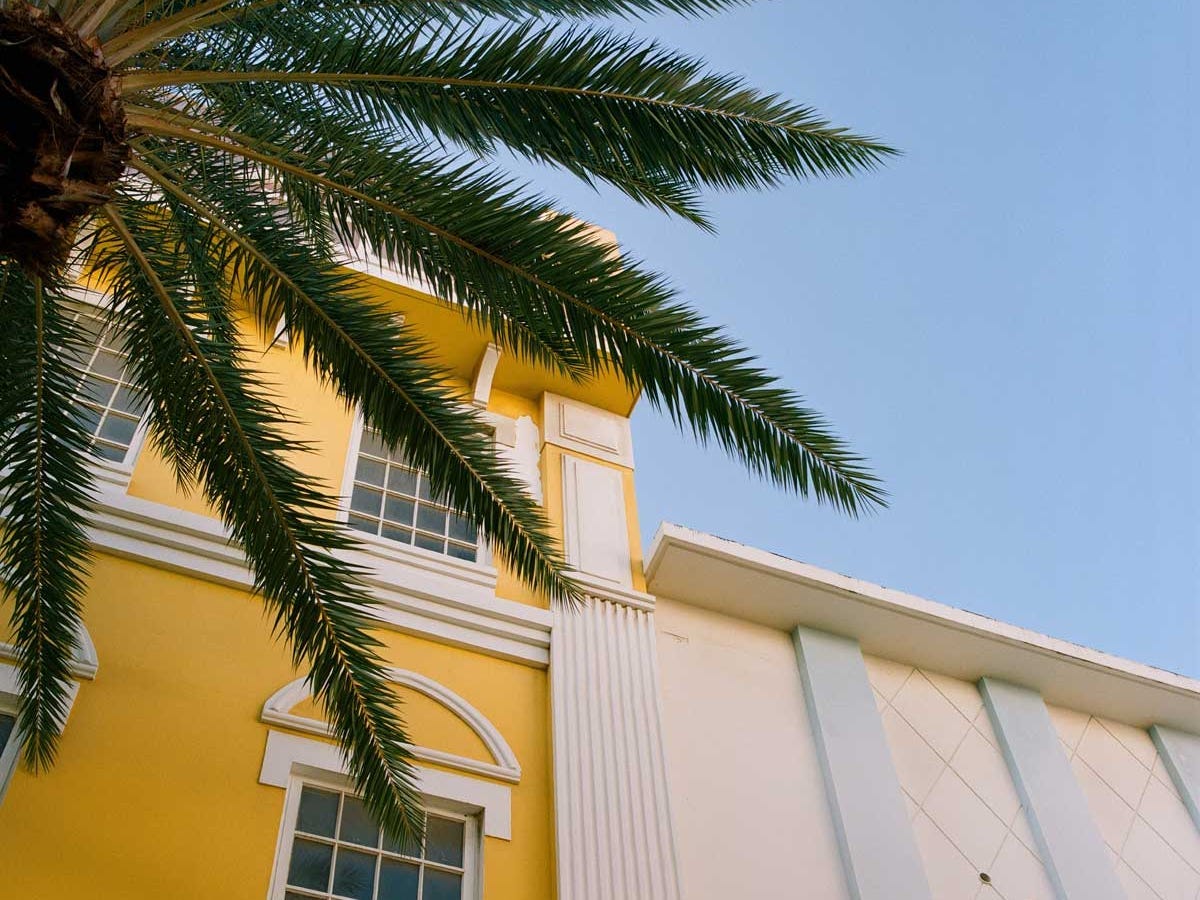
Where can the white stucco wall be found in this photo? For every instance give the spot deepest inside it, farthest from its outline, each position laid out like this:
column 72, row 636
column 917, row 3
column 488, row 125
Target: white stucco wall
column 748, row 800
column 1154, row 845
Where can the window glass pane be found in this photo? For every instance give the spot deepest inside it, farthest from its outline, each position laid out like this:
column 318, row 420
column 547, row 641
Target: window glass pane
column 6, row 727
column 403, row 535
column 441, row 885
column 461, row 529
column 310, row 864
column 366, row 500
column 423, row 489
column 357, row 827
column 402, row 481
column 431, row 520
column 130, row 401
column 89, row 417
column 108, row 364
column 96, row 390
column 358, row 523
column 354, row 875
column 426, row 542
column 370, row 471
column 371, row 444
column 405, row 848
column 107, row 451
column 444, row 841
column 398, row 510
column 467, row 553
column 318, row 812
column 118, row 429
column 398, row 880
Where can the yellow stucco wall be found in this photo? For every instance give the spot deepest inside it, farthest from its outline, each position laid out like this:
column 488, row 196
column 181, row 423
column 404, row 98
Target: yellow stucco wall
column 155, row 792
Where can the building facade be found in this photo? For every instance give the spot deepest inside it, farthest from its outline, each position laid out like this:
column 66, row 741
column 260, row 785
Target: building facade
column 716, row 722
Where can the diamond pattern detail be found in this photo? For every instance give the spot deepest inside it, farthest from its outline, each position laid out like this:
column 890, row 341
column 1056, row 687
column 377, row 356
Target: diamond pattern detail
column 966, row 815
column 1154, row 844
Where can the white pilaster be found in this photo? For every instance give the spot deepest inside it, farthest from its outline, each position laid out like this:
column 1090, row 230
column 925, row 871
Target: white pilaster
column 1070, row 843
column 613, row 819
column 879, row 853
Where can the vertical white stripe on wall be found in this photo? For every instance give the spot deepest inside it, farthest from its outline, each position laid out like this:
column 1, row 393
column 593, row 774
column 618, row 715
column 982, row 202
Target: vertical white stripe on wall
column 879, row 852
column 1070, row 843
column 1180, row 752
column 612, row 815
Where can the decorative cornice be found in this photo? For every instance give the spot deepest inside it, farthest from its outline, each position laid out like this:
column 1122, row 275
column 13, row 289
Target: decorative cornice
column 448, row 601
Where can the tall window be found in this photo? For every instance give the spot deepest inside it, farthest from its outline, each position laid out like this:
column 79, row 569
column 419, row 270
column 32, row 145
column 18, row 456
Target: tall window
column 110, row 407
column 391, row 499
column 9, row 749
column 7, row 723
column 339, row 852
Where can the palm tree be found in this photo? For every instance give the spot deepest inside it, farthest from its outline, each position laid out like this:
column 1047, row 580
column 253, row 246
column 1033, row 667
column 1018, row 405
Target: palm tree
column 199, row 157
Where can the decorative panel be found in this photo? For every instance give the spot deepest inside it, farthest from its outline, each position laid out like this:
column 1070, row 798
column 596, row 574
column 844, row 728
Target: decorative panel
column 596, row 530
column 1153, row 841
column 972, row 831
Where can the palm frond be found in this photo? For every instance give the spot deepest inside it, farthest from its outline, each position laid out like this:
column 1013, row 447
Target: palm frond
column 206, row 414
column 550, row 274
column 45, row 485
column 596, row 103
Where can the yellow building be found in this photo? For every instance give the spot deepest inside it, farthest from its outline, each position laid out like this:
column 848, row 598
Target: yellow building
column 193, row 762
column 816, row 736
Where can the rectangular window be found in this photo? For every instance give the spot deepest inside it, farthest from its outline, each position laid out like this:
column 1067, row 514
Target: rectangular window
column 393, row 500
column 110, row 407
column 337, row 851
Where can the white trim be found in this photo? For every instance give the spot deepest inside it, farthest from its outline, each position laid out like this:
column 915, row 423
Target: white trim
column 485, row 371
column 1180, row 753
column 85, row 663
column 603, row 589
column 288, row 754
column 417, row 593
column 756, row 586
column 472, row 843
column 504, row 765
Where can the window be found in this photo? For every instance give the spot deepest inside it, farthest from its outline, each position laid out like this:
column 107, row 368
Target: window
column 337, row 851
column 393, row 500
column 110, row 407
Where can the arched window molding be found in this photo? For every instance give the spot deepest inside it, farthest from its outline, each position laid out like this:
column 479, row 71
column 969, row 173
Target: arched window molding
column 504, row 765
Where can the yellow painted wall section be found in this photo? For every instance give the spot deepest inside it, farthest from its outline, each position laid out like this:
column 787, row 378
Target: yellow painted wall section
column 155, row 793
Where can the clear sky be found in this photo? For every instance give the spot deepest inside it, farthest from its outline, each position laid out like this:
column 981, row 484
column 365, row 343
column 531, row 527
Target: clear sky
column 1003, row 319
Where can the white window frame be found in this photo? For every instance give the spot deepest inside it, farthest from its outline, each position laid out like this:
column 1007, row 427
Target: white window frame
column 11, row 751
column 483, row 551
column 113, row 471
column 472, row 834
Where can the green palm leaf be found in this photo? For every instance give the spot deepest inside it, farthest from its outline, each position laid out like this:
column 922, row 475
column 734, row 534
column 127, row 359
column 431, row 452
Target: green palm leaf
column 262, row 142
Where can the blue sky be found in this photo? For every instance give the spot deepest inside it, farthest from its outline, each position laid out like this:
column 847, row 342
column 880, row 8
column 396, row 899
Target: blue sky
column 1002, row 320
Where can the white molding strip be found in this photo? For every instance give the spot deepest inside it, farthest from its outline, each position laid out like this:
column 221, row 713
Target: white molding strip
column 1071, row 847
column 485, row 371
column 612, row 811
column 85, row 663
column 878, row 849
column 1180, row 752
column 288, row 754
column 504, row 765
column 419, row 593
